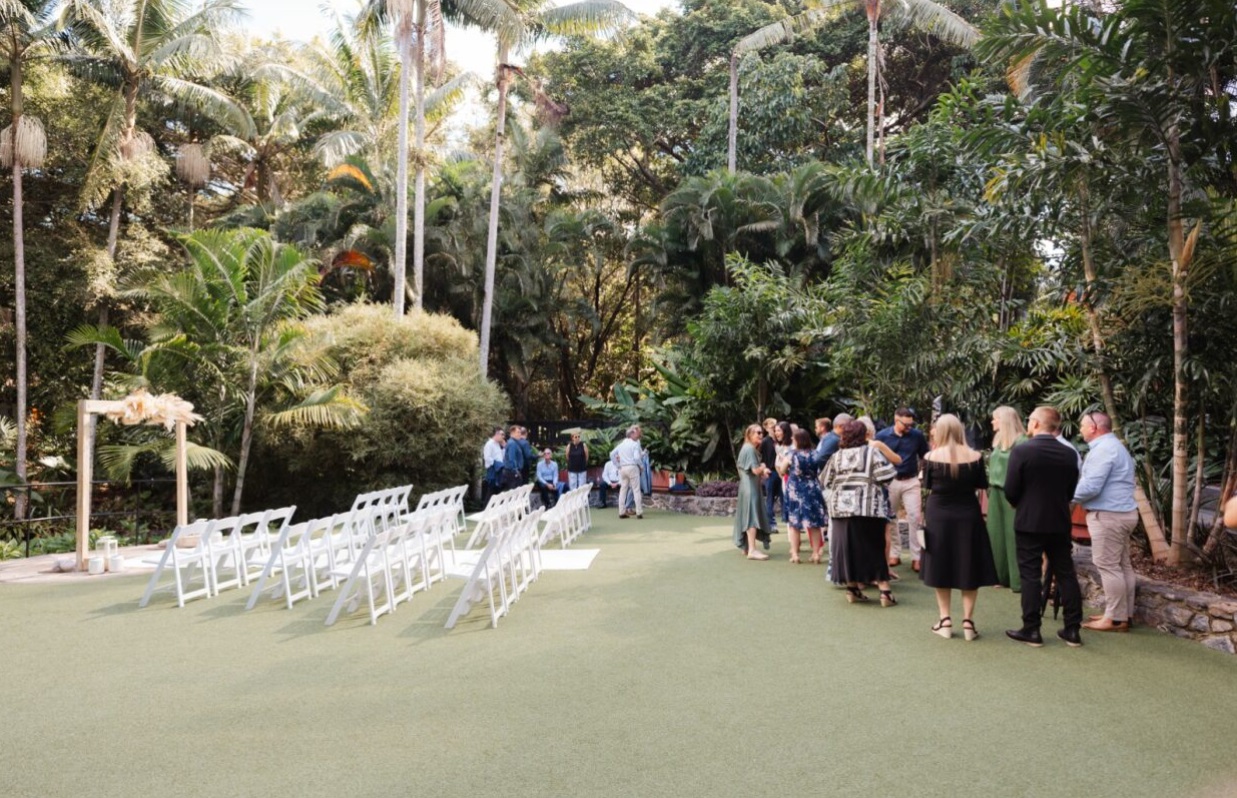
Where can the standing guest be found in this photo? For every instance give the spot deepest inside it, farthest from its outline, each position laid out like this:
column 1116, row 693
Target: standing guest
column 1008, row 433
column 772, row 483
column 904, row 493
column 857, row 512
column 891, row 527
column 1039, row 483
column 492, row 460
column 629, row 456
column 1067, row 443
column 958, row 554
column 516, row 456
column 828, row 446
column 804, row 497
column 751, row 524
column 548, row 486
column 783, row 444
column 827, row 441
column 577, row 462
column 1106, row 490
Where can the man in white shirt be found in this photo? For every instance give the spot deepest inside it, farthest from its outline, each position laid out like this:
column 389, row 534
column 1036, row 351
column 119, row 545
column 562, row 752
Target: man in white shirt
column 629, row 455
column 492, row 461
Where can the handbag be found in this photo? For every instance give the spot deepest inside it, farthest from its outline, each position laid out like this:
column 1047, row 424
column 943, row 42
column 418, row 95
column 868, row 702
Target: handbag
column 921, row 537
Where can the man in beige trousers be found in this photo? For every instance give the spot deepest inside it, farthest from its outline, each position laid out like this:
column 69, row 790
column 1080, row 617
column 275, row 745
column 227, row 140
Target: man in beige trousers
column 1106, row 490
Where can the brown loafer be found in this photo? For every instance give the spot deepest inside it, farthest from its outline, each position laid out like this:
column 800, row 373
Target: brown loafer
column 915, row 566
column 894, row 562
column 1106, row 625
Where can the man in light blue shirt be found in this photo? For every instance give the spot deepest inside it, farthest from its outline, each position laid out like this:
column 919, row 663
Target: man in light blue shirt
column 1106, row 490
column 629, row 456
column 548, row 485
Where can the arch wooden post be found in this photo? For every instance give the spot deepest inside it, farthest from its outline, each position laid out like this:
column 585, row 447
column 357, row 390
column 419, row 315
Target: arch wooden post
column 85, row 471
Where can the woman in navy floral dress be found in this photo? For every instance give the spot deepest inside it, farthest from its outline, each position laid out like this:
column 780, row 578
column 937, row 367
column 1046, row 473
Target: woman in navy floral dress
column 804, row 501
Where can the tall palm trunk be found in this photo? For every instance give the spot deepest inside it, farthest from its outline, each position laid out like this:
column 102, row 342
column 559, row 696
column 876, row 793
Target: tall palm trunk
column 251, row 403
column 418, row 207
column 403, row 36
column 1181, row 424
column 496, row 184
column 732, row 139
column 19, row 280
column 873, row 9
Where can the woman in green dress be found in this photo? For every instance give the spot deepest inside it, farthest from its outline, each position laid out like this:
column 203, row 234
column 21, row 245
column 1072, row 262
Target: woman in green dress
column 1009, row 432
column 751, row 522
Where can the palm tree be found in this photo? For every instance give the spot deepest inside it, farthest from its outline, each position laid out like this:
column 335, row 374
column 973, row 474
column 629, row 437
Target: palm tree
column 235, row 301
column 537, row 21
column 26, row 33
column 142, row 47
column 420, row 37
column 1150, row 69
column 926, row 15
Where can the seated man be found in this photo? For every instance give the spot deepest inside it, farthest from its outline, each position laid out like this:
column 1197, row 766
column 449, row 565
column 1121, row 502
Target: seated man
column 610, row 482
column 547, row 480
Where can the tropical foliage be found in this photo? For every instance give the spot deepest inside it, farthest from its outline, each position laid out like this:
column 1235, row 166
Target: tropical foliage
column 961, row 203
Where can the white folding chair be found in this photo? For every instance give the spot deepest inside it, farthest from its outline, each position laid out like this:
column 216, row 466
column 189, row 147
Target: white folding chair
column 369, row 575
column 185, row 564
column 292, row 557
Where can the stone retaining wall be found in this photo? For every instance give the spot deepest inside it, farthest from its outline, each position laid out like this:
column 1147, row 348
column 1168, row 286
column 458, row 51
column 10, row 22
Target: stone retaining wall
column 1205, row 618
column 693, row 505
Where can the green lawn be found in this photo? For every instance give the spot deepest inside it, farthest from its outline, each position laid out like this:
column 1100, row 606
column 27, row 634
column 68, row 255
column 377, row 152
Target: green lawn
column 672, row 667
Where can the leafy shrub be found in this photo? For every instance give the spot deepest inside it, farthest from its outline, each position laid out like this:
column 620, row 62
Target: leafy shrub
column 718, row 490
column 429, row 413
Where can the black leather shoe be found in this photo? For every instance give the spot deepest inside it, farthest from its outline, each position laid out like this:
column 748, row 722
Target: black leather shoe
column 1071, row 636
column 1029, row 636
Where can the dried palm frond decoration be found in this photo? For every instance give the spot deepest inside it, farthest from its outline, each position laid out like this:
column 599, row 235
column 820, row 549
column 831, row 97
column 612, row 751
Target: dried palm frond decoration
column 192, row 165
column 27, row 144
column 137, row 145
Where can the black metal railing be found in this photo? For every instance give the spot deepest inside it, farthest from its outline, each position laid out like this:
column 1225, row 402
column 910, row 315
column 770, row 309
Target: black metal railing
column 127, row 508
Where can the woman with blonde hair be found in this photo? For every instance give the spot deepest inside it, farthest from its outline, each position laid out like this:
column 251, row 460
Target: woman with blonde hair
column 957, row 554
column 1008, row 433
column 751, row 522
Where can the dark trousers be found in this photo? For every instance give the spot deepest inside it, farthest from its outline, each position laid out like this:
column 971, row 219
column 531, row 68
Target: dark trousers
column 549, row 496
column 1059, row 549
column 773, row 490
column 603, row 488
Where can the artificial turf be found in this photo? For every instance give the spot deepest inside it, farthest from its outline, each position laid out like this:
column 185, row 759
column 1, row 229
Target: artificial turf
column 672, row 667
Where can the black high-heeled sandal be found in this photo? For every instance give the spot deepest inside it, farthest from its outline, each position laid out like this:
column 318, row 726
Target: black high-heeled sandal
column 887, row 599
column 854, row 594
column 968, row 630
column 944, row 628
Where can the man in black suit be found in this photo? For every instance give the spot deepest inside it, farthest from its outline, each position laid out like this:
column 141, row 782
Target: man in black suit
column 1040, row 485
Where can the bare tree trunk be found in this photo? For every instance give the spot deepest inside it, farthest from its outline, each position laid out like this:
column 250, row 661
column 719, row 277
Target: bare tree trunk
column 496, row 185
column 403, row 37
column 1181, row 349
column 1200, row 461
column 217, row 494
column 873, row 46
column 732, row 145
column 251, row 401
column 418, row 208
column 19, row 279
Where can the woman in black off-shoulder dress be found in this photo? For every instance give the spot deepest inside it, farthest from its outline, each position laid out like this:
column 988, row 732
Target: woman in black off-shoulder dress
column 958, row 552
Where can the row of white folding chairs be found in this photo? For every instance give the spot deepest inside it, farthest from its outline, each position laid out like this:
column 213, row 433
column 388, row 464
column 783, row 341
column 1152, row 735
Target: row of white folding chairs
column 500, row 505
column 503, row 570
column 389, row 502
column 452, row 498
column 394, row 563
column 228, row 552
column 568, row 518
